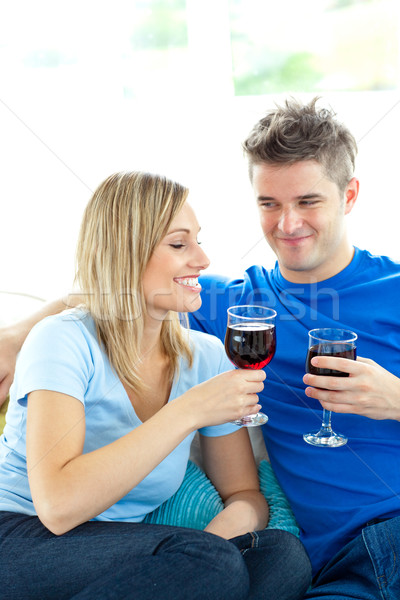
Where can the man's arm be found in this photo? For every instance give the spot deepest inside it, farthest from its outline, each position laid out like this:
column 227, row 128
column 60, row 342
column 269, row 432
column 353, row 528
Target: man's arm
column 13, row 336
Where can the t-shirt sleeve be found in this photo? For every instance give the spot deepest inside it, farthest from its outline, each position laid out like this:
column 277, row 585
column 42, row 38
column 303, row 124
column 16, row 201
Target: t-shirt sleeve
column 55, row 356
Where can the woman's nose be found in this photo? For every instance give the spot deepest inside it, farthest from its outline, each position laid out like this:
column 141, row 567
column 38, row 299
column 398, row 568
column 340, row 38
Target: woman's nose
column 200, row 260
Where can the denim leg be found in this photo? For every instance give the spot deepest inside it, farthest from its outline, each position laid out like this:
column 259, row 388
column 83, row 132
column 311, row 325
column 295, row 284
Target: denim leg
column 117, row 561
column 367, row 568
column 277, row 562
column 383, row 545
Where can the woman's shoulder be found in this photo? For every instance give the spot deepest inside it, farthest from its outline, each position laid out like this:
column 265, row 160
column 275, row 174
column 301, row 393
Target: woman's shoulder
column 73, row 326
column 209, row 357
column 205, row 341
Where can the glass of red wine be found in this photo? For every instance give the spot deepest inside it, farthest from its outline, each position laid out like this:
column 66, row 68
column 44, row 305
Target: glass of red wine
column 329, row 342
column 250, row 343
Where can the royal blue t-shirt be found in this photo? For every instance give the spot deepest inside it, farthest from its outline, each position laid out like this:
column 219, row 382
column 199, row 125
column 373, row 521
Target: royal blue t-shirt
column 334, row 492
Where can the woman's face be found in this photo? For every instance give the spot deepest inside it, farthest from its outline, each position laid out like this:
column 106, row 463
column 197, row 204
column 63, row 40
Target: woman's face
column 170, row 281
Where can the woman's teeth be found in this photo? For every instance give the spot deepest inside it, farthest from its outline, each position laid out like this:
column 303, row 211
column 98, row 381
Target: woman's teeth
column 189, row 282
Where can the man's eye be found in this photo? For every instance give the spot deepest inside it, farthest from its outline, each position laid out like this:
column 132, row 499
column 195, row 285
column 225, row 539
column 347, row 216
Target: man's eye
column 308, row 202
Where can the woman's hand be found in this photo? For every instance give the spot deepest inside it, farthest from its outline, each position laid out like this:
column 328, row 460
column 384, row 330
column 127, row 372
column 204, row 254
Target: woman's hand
column 223, row 398
column 369, row 390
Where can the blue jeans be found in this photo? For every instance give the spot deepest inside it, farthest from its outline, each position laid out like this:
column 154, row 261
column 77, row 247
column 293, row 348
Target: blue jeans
column 110, row 561
column 367, row 568
column 278, row 565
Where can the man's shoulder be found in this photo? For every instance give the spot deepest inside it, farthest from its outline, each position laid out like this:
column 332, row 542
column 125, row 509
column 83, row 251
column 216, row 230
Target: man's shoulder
column 378, row 266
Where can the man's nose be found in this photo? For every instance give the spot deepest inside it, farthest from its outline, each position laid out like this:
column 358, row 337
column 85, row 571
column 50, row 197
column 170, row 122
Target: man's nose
column 290, row 221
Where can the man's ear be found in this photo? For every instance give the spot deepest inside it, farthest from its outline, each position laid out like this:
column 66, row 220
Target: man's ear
column 350, row 194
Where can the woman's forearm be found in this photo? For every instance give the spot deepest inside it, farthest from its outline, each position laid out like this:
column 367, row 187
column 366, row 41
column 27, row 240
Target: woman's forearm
column 245, row 511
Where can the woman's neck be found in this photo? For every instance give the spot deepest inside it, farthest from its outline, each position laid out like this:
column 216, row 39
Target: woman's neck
column 151, row 347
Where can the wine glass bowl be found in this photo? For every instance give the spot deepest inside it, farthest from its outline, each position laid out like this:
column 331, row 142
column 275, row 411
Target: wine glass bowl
column 250, row 343
column 340, row 343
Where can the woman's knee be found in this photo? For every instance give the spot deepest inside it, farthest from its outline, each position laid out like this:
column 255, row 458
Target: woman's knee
column 214, row 561
column 297, row 564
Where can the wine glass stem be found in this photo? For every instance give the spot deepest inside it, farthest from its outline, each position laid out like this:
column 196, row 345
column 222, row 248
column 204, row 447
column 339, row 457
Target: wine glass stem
column 326, row 419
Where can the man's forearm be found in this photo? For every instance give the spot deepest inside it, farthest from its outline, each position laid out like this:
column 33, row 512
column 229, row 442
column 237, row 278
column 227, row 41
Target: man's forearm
column 17, row 332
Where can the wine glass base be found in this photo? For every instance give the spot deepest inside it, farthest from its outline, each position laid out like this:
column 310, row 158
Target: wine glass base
column 252, row 420
column 325, row 439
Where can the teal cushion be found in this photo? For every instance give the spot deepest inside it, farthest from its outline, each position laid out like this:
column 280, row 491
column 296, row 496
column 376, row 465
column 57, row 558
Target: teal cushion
column 194, row 504
column 197, row 502
column 280, row 513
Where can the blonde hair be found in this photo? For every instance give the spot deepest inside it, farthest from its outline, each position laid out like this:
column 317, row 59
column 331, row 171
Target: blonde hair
column 126, row 218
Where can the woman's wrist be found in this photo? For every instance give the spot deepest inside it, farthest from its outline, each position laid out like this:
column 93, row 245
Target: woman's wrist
column 183, row 419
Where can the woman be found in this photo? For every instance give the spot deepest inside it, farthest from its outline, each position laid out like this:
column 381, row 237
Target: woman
column 106, row 400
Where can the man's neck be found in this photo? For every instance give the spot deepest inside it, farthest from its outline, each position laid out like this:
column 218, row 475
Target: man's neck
column 322, row 272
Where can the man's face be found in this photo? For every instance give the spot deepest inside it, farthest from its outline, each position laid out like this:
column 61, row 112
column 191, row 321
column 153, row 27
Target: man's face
column 302, row 217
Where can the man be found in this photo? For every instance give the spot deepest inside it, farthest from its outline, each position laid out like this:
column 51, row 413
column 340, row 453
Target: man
column 347, row 499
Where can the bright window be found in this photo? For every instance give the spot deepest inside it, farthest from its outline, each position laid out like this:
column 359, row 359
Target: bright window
column 315, row 46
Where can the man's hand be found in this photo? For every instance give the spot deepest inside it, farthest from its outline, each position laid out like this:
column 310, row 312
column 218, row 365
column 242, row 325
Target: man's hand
column 369, row 390
column 8, row 355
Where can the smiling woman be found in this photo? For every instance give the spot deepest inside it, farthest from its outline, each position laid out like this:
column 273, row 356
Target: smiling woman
column 121, row 251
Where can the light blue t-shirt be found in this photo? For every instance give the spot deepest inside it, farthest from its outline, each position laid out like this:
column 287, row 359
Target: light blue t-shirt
column 62, row 354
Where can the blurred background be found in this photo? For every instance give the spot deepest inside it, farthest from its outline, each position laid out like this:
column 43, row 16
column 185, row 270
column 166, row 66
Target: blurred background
column 173, row 86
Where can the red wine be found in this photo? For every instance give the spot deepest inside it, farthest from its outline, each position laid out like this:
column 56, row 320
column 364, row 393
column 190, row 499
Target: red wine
column 336, row 349
column 250, row 345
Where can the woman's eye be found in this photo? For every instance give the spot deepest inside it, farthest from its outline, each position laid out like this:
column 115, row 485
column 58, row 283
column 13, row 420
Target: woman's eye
column 177, row 246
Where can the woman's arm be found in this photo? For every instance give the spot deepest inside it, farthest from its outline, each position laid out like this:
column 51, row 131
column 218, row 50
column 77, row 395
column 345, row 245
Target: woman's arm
column 230, row 465
column 69, row 488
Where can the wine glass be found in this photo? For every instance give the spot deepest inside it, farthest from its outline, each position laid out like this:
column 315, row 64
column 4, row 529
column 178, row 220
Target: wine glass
column 329, row 342
column 250, row 343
